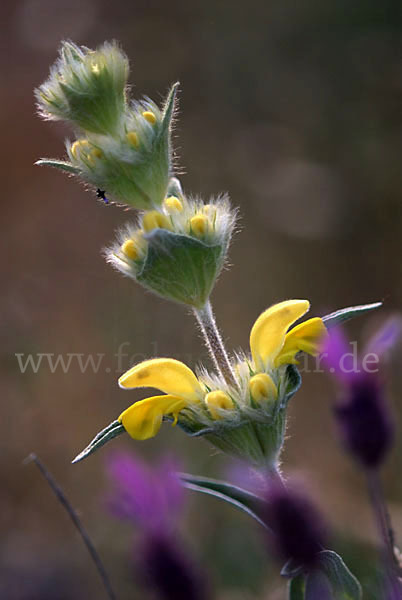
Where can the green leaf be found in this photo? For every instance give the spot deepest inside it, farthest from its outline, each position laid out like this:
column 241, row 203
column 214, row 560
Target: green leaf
column 343, row 583
column 296, row 588
column 58, row 164
column 238, row 497
column 344, row 314
column 111, row 431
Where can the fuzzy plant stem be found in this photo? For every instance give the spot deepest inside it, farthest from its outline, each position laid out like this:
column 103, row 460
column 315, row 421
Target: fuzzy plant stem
column 214, row 343
column 383, row 522
column 61, row 497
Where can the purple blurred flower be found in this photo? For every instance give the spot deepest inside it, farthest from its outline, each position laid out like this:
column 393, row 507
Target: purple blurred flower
column 298, row 532
column 152, row 499
column 394, row 589
column 362, row 413
column 167, row 568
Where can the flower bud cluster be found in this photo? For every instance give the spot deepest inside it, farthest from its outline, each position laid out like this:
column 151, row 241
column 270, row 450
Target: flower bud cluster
column 122, row 147
column 179, row 250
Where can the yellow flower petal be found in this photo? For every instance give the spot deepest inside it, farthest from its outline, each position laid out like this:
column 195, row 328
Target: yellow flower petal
column 268, row 333
column 306, row 337
column 143, row 419
column 166, row 374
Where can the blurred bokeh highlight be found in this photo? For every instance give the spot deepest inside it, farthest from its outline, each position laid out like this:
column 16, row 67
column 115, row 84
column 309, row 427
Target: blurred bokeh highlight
column 294, row 109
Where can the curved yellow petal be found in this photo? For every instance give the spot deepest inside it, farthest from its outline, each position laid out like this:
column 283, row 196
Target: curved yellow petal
column 306, row 337
column 218, row 400
column 166, row 374
column 268, row 332
column 143, row 419
column 262, row 388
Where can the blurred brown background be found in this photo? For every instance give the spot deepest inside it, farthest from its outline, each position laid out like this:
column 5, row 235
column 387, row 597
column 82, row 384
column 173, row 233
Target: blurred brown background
column 295, row 109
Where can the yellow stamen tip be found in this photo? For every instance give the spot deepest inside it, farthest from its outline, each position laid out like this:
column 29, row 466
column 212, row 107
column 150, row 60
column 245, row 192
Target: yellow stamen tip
column 173, row 204
column 199, row 225
column 149, row 116
column 262, row 388
column 218, row 400
column 132, row 138
column 154, row 220
column 130, row 249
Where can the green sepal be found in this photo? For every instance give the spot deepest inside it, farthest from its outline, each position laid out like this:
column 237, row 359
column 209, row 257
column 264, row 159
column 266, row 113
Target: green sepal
column 296, row 587
column 345, row 314
column 111, row 431
column 63, row 165
column 180, row 267
column 257, row 439
column 330, row 574
column 238, row 497
column 343, row 583
column 168, row 110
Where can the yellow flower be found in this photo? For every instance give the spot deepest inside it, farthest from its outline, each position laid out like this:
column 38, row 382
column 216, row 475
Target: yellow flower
column 143, row 419
column 209, row 402
column 270, row 342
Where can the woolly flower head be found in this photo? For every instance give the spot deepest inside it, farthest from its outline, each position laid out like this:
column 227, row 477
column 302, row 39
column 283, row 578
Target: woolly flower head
column 179, row 250
column 86, row 87
column 122, row 148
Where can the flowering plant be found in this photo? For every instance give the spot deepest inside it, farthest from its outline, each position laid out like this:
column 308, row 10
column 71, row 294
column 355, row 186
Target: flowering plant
column 177, row 248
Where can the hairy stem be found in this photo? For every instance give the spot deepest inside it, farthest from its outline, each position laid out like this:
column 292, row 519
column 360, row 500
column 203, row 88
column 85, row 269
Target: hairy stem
column 383, row 522
column 61, row 497
column 214, row 343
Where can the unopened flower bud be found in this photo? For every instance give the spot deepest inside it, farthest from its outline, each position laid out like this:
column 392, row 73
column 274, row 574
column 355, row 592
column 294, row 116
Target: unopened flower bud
column 126, row 146
column 217, row 401
column 179, row 261
column 199, row 225
column 173, row 204
column 262, row 388
column 154, row 220
column 87, row 88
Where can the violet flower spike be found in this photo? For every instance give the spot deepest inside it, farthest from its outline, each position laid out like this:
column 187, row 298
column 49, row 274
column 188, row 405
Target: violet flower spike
column 298, row 531
column 362, row 413
column 152, row 499
column 365, row 422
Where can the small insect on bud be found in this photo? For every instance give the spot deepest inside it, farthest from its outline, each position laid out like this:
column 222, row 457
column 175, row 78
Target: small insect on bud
column 216, row 401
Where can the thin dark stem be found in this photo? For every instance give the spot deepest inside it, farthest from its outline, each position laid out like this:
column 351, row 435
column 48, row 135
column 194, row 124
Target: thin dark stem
column 58, row 492
column 383, row 521
column 214, row 343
